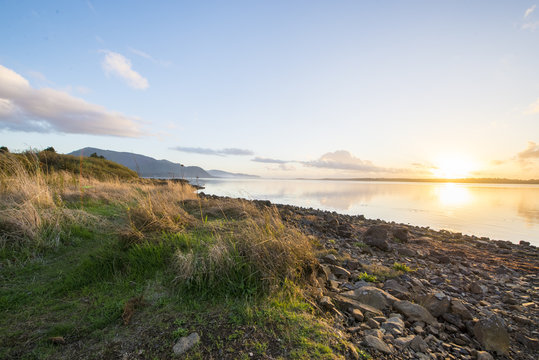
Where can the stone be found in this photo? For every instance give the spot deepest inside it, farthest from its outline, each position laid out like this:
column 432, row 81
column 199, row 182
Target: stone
column 483, row 355
column 340, row 272
column 458, row 308
column 377, row 344
column 330, row 259
column 402, row 342
column 345, row 303
column 394, row 288
column 372, row 296
column 436, row 305
column 414, row 312
column 477, row 288
column 373, row 324
column 394, row 325
column 378, row 236
column 186, row 343
column 492, row 334
column 418, row 344
column 357, row 315
column 401, row 233
column 530, row 343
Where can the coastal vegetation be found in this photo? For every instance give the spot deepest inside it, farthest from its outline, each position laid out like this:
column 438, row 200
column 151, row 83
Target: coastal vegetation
column 96, row 262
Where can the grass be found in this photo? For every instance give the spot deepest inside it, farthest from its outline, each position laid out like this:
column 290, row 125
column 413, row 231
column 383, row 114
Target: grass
column 113, row 267
column 401, row 267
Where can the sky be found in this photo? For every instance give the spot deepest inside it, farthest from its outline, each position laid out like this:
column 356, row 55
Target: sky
column 279, row 88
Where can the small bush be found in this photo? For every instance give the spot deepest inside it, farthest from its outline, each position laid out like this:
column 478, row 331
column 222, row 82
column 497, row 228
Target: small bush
column 366, row 277
column 401, row 267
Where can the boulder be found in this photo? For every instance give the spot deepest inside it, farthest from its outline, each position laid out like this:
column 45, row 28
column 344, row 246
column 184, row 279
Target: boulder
column 393, row 325
column 378, row 236
column 414, row 312
column 372, row 296
column 394, row 288
column 492, row 334
column 401, row 233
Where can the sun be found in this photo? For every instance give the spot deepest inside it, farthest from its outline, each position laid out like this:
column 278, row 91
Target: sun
column 453, row 167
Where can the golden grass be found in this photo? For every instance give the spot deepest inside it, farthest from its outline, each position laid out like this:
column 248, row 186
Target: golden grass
column 37, row 208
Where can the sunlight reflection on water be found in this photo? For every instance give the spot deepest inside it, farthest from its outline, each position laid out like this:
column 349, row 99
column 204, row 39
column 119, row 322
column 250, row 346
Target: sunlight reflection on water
column 508, row 212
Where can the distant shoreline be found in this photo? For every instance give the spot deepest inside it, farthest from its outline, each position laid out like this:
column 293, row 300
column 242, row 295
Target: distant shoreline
column 461, row 181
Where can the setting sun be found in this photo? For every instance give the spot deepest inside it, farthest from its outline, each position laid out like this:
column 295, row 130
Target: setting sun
column 453, row 167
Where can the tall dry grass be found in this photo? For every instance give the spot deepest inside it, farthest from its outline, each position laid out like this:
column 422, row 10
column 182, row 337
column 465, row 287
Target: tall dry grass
column 37, row 208
column 253, row 253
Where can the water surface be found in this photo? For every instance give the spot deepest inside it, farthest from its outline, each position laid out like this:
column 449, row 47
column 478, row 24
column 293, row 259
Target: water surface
column 505, row 212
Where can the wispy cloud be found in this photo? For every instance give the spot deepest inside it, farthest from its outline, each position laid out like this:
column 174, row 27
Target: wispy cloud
column 120, row 66
column 270, row 161
column 25, row 108
column 530, row 153
column 533, row 108
column 529, row 10
column 218, row 152
column 343, row 160
column 147, row 56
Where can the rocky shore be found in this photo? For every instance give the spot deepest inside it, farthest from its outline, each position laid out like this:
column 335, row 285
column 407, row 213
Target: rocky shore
column 406, row 292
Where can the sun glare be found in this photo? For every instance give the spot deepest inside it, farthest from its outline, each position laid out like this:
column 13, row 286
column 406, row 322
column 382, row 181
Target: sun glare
column 453, row 167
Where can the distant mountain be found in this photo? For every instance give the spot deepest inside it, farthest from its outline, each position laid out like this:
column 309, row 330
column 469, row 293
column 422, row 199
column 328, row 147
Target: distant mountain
column 226, row 174
column 146, row 166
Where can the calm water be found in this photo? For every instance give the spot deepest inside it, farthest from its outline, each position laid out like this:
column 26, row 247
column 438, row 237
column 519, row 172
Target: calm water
column 505, row 212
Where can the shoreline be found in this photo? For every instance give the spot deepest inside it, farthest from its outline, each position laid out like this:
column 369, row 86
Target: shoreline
column 464, row 287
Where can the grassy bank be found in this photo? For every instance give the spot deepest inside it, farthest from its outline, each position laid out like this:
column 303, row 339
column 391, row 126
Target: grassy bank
column 96, row 263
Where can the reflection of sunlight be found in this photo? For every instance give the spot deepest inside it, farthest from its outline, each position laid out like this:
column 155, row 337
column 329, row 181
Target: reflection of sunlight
column 453, row 194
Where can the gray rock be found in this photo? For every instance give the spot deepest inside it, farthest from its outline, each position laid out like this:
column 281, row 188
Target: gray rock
column 377, row 344
column 326, row 303
column 418, row 344
column 185, row 343
column 477, row 288
column 378, row 236
column 340, row 272
column 492, row 334
column 414, row 312
column 372, row 296
column 394, row 288
column 357, row 315
column 458, row 308
column 394, row 325
column 344, row 303
column 436, row 305
column 373, row 324
column 403, row 342
column 401, row 233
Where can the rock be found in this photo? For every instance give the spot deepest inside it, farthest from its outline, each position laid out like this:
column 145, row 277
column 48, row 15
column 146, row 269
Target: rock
column 357, row 315
column 492, row 334
column 401, row 233
column 344, row 303
column 437, row 305
column 378, row 236
column 414, row 312
column 340, row 272
column 478, row 288
column 394, row 325
column 418, row 344
column 373, row 324
column 330, row 259
column 377, row 344
column 483, row 355
column 372, row 296
column 396, row 289
column 185, row 343
column 524, row 243
column 403, row 342
column 530, row 343
column 458, row 308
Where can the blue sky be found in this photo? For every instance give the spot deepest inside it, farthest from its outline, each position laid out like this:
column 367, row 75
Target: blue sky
column 279, row 88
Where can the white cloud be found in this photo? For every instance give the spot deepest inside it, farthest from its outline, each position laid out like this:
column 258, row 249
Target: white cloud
column 343, row 160
column 533, row 108
column 530, row 26
column 25, row 108
column 118, row 65
column 531, row 152
column 218, row 152
column 147, row 56
column 529, row 11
